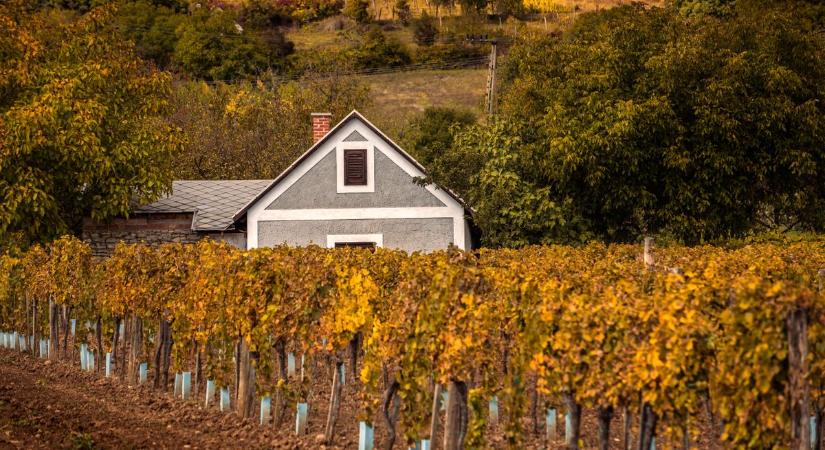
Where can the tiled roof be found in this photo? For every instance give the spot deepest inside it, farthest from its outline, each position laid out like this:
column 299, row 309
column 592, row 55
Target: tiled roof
column 213, row 202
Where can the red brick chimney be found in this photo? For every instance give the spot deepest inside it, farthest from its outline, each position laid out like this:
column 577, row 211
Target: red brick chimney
column 321, row 124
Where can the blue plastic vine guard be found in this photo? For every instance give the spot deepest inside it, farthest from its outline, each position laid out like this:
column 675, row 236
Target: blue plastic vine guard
column 143, row 372
column 210, row 392
column 225, row 404
column 266, row 405
column 186, row 385
column 290, row 364
column 494, row 410
column 550, row 424
column 301, row 418
column 366, row 436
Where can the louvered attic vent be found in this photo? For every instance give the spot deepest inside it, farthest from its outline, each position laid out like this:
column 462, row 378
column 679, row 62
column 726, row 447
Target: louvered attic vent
column 355, row 167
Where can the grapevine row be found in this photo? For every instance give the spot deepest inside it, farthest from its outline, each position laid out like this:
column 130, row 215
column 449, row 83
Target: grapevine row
column 670, row 334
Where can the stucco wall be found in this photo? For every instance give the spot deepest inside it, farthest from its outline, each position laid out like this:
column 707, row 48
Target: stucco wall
column 405, row 234
column 394, row 188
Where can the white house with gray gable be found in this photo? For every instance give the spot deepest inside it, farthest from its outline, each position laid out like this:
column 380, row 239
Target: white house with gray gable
column 355, row 186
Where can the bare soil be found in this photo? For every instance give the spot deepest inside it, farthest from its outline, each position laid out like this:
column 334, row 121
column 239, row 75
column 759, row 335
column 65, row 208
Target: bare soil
column 55, row 405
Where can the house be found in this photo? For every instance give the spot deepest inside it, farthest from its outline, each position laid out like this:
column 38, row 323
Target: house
column 353, row 187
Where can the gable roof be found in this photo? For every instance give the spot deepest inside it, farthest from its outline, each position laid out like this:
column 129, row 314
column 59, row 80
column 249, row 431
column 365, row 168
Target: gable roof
column 354, row 115
column 212, row 202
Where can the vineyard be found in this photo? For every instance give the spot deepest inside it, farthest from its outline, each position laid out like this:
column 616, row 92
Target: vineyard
column 505, row 339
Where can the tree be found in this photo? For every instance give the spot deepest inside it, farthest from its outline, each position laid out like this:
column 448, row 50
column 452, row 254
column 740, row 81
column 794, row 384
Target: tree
column 402, row 10
column 358, row 10
column 81, row 133
column 249, row 131
column 473, row 6
column 152, row 27
column 424, row 30
column 377, row 50
column 429, row 137
column 214, row 46
column 644, row 121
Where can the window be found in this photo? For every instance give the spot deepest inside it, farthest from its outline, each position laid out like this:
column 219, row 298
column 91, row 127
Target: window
column 355, row 240
column 355, row 167
column 369, row 245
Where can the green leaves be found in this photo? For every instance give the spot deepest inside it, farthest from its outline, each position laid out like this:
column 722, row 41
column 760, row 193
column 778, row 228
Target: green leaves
column 80, row 128
column 641, row 120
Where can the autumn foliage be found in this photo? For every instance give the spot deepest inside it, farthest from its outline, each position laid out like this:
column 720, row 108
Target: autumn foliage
column 689, row 330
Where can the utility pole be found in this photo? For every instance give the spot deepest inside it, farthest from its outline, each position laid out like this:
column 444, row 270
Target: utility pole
column 491, row 76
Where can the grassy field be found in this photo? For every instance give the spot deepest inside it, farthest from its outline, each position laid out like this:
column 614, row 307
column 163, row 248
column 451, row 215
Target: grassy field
column 398, row 96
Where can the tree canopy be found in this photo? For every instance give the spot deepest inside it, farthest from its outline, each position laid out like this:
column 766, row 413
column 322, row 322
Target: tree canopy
column 250, row 130
column 643, row 120
column 81, row 129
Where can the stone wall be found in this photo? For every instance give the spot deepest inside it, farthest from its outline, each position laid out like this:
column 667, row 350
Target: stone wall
column 152, row 229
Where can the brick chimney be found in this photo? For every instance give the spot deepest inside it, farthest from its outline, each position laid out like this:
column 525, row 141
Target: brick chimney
column 321, row 124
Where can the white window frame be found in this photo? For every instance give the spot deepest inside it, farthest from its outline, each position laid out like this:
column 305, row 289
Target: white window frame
column 332, row 239
column 342, row 188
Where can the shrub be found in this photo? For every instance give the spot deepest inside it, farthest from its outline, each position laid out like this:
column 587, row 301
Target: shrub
column 459, row 53
column 424, row 30
column 378, row 51
column 402, row 10
column 358, row 10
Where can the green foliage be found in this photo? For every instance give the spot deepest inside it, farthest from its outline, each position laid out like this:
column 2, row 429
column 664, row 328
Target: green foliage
column 473, row 6
column 510, row 210
column 81, row 133
column 641, row 120
column 358, row 10
column 429, row 137
column 450, row 53
column 214, row 46
column 266, row 14
column 152, row 27
column 249, row 131
column 507, row 8
column 376, row 50
column 425, row 30
column 702, row 7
